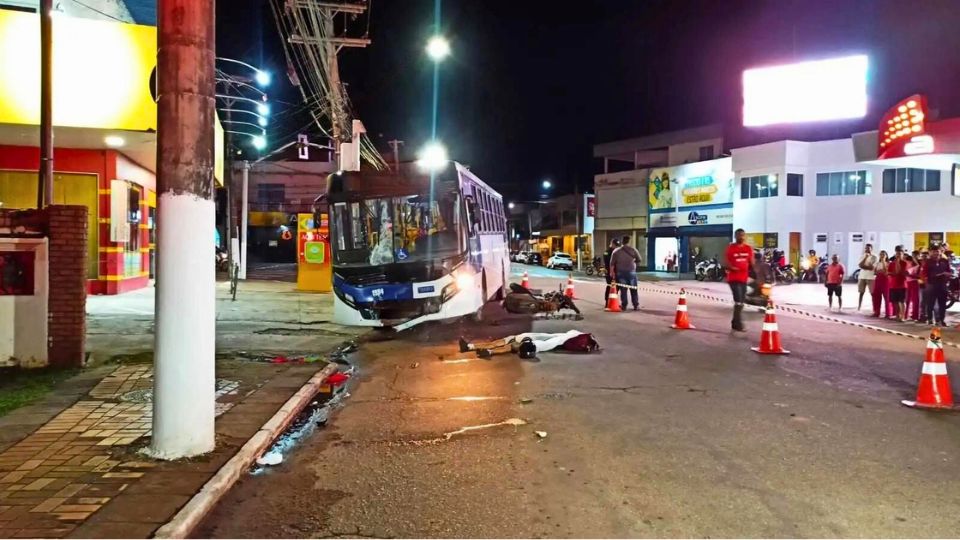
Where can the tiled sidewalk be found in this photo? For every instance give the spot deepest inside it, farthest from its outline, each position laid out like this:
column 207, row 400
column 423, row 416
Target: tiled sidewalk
column 54, row 482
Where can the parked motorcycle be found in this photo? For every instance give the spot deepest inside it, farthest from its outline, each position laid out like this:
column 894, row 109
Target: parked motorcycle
column 596, row 267
column 953, row 291
column 808, row 272
column 709, row 269
column 785, row 274
column 222, row 263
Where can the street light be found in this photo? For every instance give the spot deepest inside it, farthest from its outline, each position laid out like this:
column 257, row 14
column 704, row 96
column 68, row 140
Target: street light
column 438, row 48
column 547, row 184
column 263, row 108
column 510, row 206
column 433, row 157
column 262, row 78
column 259, row 142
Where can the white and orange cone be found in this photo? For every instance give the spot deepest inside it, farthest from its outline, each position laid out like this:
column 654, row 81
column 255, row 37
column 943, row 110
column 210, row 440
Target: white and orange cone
column 933, row 391
column 770, row 336
column 682, row 319
column 525, row 282
column 568, row 292
column 613, row 299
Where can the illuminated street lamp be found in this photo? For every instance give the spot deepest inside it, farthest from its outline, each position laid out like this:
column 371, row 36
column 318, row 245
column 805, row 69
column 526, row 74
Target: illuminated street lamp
column 511, row 206
column 438, row 48
column 433, row 157
column 259, row 142
column 263, row 108
column 546, row 184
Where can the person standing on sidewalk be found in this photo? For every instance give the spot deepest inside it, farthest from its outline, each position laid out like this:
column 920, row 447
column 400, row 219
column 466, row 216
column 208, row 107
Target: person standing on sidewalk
column 738, row 260
column 939, row 273
column 897, row 274
column 867, row 263
column 913, row 287
column 834, row 282
column 881, row 285
column 614, row 244
column 624, row 261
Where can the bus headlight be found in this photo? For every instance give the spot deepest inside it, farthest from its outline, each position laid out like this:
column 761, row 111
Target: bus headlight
column 465, row 281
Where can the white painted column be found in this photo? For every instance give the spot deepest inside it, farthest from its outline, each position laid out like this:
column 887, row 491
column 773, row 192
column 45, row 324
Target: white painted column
column 244, row 217
column 185, row 336
column 185, row 306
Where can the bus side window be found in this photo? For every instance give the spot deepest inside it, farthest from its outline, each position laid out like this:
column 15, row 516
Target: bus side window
column 473, row 215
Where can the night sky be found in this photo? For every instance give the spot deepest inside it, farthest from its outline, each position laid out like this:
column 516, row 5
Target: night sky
column 533, row 84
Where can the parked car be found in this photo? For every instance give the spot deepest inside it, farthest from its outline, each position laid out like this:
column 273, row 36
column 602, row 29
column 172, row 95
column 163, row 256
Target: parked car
column 521, row 257
column 533, row 258
column 561, row 261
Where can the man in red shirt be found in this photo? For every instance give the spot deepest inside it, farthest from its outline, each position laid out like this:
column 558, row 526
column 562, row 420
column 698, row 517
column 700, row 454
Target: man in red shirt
column 738, row 260
column 834, row 282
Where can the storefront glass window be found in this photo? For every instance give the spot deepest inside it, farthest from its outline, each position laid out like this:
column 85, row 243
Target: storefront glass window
column 757, row 187
column 794, row 185
column 910, row 180
column 842, row 183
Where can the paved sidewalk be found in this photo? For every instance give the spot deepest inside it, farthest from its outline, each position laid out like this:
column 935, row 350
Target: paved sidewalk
column 70, row 464
column 81, row 473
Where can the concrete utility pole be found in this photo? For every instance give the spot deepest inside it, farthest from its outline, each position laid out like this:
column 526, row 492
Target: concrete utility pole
column 184, row 346
column 244, row 219
column 45, row 184
column 395, row 145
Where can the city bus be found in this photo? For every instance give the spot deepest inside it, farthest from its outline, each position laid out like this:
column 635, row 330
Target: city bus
column 407, row 249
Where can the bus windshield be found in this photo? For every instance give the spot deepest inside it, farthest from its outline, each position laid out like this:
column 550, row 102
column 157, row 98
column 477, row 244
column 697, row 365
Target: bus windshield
column 378, row 231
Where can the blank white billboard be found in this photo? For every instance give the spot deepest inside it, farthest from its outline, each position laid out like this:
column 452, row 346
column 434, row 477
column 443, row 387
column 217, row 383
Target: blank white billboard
column 832, row 89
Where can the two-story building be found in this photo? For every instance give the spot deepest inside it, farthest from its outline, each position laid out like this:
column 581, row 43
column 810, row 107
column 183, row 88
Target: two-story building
column 628, row 204
column 835, row 196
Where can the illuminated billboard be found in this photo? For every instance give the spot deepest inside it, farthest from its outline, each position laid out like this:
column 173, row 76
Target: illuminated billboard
column 101, row 72
column 833, row 89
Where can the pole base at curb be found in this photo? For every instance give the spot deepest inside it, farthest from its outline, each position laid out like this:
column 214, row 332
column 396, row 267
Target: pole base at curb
column 914, row 405
column 758, row 351
column 675, row 327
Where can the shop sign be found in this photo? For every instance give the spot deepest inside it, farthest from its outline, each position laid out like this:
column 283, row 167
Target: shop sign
column 692, row 184
column 719, row 216
column 771, row 240
column 903, row 129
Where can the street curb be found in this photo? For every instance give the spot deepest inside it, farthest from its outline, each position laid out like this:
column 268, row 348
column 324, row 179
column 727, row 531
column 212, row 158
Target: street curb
column 183, row 523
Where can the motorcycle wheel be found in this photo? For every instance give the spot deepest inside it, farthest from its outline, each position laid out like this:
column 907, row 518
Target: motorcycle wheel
column 589, row 270
column 788, row 277
column 700, row 276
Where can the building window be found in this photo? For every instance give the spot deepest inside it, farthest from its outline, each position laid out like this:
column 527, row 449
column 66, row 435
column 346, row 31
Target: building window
column 706, row 152
column 910, row 180
column 831, row 184
column 271, row 196
column 794, row 185
column 758, row 187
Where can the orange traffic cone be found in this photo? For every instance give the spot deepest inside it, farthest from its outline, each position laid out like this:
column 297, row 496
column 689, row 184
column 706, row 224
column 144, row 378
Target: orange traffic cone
column 525, row 283
column 613, row 299
column 568, row 292
column 933, row 392
column 770, row 336
column 682, row 320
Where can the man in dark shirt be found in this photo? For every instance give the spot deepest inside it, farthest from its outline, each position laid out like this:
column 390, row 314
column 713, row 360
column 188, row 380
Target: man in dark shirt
column 938, row 273
column 624, row 261
column 614, row 244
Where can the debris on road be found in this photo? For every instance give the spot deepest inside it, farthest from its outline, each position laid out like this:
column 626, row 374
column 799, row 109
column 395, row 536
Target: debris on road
column 415, row 365
column 527, row 345
column 525, row 401
column 526, row 301
column 270, row 458
column 540, row 434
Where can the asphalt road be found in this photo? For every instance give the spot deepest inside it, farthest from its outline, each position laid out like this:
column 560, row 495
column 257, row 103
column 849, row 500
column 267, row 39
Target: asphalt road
column 664, row 433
